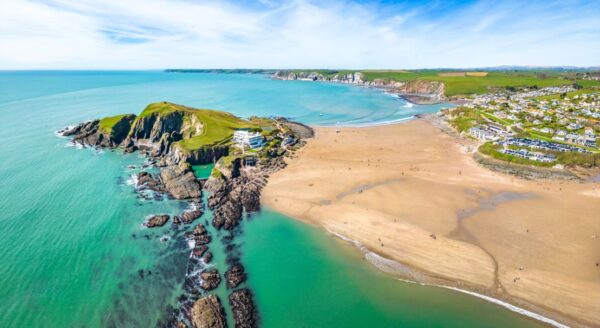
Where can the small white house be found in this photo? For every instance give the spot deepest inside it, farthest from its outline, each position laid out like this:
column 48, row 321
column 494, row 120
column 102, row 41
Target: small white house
column 482, row 134
column 246, row 138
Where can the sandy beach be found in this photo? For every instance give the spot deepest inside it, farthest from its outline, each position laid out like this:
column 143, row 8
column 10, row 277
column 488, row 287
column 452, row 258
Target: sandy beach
column 412, row 193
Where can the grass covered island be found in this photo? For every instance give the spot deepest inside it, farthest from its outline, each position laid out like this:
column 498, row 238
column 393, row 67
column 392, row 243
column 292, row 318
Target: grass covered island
column 182, row 134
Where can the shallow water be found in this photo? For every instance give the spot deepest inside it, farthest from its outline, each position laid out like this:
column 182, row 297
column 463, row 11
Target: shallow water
column 203, row 171
column 73, row 248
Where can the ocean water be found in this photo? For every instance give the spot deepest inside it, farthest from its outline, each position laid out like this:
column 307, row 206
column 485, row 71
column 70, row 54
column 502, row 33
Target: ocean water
column 74, row 253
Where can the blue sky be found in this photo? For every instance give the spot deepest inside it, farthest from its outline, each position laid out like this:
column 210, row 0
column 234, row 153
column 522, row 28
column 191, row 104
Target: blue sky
column 140, row 34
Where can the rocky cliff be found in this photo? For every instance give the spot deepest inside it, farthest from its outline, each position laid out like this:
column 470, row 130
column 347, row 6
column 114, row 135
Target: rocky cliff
column 421, row 91
column 172, row 133
column 108, row 132
column 416, row 91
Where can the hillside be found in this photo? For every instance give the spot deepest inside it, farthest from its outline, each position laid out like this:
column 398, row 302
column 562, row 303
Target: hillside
column 456, row 82
column 178, row 134
column 198, row 127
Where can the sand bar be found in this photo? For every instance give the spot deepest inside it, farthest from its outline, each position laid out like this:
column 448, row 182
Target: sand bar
column 413, row 193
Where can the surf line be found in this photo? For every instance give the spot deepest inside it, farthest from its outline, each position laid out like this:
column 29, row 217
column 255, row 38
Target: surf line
column 373, row 259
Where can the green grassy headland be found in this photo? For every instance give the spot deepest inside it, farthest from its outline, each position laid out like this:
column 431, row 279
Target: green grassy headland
column 469, row 84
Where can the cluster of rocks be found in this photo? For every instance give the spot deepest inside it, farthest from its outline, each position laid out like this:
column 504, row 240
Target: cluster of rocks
column 196, row 310
column 229, row 198
column 147, row 180
column 207, row 312
column 178, row 181
column 201, row 239
column 231, row 195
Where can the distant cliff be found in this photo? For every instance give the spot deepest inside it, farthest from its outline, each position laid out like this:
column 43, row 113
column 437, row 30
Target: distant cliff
column 417, row 91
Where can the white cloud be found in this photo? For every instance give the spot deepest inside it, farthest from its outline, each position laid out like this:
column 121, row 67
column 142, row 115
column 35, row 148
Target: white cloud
column 137, row 34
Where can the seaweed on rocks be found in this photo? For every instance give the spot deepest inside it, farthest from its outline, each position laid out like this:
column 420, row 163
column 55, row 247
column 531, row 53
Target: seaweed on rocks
column 207, row 257
column 156, row 221
column 207, row 312
column 235, row 275
column 242, row 306
column 210, row 279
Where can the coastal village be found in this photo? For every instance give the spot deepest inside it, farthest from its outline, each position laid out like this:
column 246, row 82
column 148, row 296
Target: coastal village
column 543, row 126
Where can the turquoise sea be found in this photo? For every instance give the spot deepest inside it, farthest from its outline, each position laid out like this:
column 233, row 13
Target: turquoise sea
column 73, row 252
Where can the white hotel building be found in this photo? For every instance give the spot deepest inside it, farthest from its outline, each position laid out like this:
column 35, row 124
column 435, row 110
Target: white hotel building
column 246, row 138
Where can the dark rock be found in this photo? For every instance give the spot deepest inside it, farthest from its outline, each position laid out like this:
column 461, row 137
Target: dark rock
column 181, row 182
column 242, row 306
column 235, row 275
column 176, row 220
column 202, row 239
column 228, row 214
column 199, row 230
column 207, row 257
column 218, row 188
column 204, row 155
column 250, row 197
column 200, row 250
column 90, row 133
column 189, row 216
column 156, row 221
column 147, row 180
column 120, row 130
column 208, row 312
column 210, row 279
column 85, row 133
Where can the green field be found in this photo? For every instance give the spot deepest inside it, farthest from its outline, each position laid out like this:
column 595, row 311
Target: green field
column 465, row 85
column 462, row 119
column 571, row 94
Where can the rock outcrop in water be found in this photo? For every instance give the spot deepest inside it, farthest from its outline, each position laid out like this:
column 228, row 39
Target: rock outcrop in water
column 181, row 182
column 156, row 221
column 242, row 305
column 97, row 133
column 189, row 216
column 235, row 275
column 210, row 279
column 208, row 312
column 147, row 180
column 231, row 197
column 416, row 91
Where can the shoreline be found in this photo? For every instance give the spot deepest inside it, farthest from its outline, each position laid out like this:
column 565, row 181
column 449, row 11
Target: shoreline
column 418, row 92
column 375, row 260
column 333, row 214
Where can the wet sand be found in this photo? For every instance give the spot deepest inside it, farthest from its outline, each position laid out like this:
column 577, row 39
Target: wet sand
column 412, row 193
